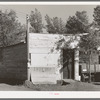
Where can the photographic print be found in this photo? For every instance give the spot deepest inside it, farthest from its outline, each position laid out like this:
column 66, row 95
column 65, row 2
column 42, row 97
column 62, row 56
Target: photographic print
column 50, row 47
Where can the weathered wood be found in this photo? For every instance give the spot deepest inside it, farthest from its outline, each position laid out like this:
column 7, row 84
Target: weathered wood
column 13, row 64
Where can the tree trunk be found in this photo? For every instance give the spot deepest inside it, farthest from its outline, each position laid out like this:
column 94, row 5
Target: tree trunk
column 89, row 69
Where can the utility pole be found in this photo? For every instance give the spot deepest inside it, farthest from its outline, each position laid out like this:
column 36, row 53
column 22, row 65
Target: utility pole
column 27, row 42
column 27, row 35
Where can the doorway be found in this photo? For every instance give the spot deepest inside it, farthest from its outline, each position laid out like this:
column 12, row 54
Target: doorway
column 68, row 64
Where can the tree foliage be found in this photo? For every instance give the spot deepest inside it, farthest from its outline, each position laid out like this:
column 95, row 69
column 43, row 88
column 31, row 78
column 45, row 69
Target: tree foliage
column 91, row 42
column 77, row 24
column 49, row 26
column 9, row 27
column 96, row 15
column 55, row 25
column 36, row 21
column 82, row 17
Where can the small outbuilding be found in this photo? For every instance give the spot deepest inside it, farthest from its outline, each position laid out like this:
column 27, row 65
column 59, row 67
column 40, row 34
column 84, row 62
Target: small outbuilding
column 46, row 64
column 39, row 61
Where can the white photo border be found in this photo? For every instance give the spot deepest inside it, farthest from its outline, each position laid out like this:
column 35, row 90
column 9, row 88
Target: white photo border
column 50, row 94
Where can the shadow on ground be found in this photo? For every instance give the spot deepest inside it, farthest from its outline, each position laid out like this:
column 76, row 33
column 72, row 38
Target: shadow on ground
column 46, row 87
column 96, row 83
column 67, row 85
column 12, row 81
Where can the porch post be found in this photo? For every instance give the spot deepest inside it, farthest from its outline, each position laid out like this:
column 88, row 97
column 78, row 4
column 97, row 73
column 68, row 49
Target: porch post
column 76, row 65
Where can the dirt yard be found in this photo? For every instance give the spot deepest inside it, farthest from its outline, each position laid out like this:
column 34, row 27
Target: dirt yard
column 70, row 85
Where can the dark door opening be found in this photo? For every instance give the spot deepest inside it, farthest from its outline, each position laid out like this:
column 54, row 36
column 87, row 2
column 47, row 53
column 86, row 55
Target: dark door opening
column 68, row 64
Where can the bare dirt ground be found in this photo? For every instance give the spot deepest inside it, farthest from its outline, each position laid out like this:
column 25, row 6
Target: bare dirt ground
column 69, row 86
column 72, row 86
column 6, row 87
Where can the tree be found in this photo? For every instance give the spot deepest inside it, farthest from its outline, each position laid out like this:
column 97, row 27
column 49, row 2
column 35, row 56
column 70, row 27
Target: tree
column 36, row 21
column 77, row 24
column 59, row 25
column 9, row 27
column 82, row 17
column 88, row 44
column 96, row 15
column 55, row 25
column 49, row 26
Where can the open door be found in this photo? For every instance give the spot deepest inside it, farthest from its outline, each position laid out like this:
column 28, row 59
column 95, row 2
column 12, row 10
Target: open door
column 68, row 64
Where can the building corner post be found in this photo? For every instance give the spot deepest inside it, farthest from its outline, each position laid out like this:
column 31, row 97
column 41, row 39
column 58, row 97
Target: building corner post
column 76, row 65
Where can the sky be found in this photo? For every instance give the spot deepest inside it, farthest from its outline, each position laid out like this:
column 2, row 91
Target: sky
column 62, row 11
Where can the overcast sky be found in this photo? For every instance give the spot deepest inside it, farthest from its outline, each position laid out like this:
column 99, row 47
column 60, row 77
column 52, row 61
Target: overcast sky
column 63, row 11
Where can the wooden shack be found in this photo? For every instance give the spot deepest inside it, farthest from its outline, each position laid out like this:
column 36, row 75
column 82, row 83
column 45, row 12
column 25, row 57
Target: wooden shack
column 44, row 58
column 38, row 60
column 13, row 63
